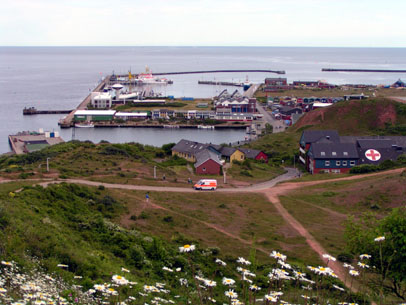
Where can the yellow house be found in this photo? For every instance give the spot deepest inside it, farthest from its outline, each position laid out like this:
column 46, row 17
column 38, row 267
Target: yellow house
column 231, row 154
column 238, row 156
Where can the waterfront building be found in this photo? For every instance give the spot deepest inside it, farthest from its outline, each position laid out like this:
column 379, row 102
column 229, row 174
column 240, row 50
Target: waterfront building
column 126, row 116
column 101, row 100
column 93, row 115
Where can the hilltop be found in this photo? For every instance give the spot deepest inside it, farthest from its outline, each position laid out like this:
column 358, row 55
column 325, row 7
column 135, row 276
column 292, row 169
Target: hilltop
column 364, row 117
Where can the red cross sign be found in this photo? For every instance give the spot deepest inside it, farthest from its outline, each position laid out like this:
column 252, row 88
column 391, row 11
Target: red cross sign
column 372, row 155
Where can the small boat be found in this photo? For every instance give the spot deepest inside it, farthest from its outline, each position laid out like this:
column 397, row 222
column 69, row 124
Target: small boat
column 205, row 127
column 89, row 125
column 171, row 126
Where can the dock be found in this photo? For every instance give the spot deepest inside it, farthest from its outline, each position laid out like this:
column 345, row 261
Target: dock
column 33, row 111
column 25, row 142
column 67, row 121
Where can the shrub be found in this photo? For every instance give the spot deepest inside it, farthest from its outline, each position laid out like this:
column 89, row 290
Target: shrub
column 168, row 219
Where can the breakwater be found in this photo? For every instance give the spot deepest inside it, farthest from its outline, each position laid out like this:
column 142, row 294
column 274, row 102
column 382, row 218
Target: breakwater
column 218, row 71
column 363, row 70
column 33, row 111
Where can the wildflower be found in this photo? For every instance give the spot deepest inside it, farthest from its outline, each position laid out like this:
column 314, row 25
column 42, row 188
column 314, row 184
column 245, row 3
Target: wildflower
column 187, row 248
column 111, row 291
column 278, row 255
column 271, row 298
column 183, row 282
column 329, row 257
column 364, row 256
column 210, row 283
column 62, row 266
column 231, row 294
column 338, row 288
column 354, row 272
column 243, row 261
column 178, row 269
column 362, row 265
column 283, row 264
column 9, row 264
column 305, row 297
column 2, row 290
column 119, row 280
column 228, row 282
column 220, row 262
column 167, row 269
column 255, row 288
column 299, row 275
column 98, row 287
column 125, row 270
column 348, row 266
column 379, row 238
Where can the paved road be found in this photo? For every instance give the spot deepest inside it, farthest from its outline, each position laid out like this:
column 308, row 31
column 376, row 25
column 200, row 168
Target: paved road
column 277, row 125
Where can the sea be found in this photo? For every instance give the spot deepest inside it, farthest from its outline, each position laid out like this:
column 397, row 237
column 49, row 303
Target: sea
column 59, row 78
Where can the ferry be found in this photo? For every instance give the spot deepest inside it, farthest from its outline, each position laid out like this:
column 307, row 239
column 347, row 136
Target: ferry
column 148, row 78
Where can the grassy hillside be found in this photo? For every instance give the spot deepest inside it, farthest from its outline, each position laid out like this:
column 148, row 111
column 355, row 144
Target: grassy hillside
column 129, row 163
column 78, row 228
column 365, row 117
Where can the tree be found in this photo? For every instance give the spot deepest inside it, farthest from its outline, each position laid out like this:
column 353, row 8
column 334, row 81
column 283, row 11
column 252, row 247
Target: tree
column 388, row 255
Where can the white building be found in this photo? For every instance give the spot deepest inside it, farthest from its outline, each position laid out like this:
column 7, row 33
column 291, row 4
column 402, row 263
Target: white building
column 101, row 100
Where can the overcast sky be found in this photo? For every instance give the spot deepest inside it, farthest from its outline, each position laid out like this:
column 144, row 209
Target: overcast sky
column 346, row 23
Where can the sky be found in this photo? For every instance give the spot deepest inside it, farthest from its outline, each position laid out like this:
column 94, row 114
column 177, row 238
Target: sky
column 330, row 23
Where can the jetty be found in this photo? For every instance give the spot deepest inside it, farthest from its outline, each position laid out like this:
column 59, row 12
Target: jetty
column 218, row 71
column 67, row 121
column 363, row 70
column 33, row 111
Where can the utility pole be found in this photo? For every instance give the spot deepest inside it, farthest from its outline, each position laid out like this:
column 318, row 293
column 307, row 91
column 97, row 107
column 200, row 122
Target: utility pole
column 224, row 176
column 48, row 164
column 154, row 172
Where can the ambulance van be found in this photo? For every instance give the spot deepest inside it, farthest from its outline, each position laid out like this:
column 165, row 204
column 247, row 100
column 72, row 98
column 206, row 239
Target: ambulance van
column 206, row 184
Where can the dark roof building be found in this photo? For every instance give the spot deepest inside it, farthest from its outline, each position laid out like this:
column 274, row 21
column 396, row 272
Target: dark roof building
column 325, row 151
column 208, row 162
column 254, row 154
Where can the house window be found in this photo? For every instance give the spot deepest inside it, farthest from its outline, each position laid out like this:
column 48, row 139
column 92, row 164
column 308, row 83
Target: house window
column 327, row 163
column 204, row 169
column 344, row 163
column 338, row 163
column 345, row 153
column 334, row 153
column 242, row 157
column 322, row 153
column 352, row 163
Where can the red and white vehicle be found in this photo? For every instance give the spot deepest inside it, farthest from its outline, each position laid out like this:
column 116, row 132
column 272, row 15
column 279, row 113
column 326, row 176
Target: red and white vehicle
column 206, row 184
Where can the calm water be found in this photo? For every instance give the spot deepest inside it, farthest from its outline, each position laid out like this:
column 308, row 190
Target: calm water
column 60, row 77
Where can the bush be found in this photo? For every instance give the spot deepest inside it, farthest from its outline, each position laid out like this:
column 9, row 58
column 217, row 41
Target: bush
column 168, row 219
column 364, row 168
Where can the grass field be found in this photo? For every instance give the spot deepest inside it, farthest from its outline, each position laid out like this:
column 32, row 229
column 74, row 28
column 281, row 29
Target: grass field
column 323, row 209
